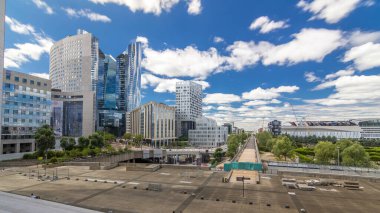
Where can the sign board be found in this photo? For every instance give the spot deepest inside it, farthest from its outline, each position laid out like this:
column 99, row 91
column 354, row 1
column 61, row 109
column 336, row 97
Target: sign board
column 157, row 153
column 242, row 178
column 146, row 154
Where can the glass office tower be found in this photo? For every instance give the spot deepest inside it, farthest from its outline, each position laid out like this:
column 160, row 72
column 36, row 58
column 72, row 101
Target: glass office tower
column 134, row 76
column 110, row 117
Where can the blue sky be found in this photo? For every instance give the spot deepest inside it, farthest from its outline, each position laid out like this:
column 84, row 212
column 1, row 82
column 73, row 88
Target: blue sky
column 257, row 60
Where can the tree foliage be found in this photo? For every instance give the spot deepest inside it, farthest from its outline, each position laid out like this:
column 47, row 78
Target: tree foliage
column 265, row 141
column 218, row 155
column 355, row 155
column 324, row 152
column 45, row 139
column 83, row 142
column 282, row 147
column 96, row 141
column 67, row 143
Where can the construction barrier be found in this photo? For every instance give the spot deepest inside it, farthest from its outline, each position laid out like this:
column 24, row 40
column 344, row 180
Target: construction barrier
column 243, row 166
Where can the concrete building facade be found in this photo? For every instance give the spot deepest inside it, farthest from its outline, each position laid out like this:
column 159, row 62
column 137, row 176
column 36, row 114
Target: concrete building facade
column 26, row 107
column 207, row 133
column 155, row 121
column 188, row 106
column 74, row 73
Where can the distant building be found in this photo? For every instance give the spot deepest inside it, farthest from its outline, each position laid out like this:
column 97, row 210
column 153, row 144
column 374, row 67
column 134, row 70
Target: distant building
column 74, row 71
column 370, row 128
column 229, row 127
column 155, row 121
column 275, row 127
column 26, row 107
column 188, row 106
column 207, row 133
column 338, row 129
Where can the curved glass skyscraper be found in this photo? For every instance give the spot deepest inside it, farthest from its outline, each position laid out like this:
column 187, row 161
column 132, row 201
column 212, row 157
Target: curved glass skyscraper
column 133, row 90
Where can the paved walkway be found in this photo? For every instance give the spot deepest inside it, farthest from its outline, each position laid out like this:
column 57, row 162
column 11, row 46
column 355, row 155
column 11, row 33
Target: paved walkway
column 17, row 203
column 248, row 155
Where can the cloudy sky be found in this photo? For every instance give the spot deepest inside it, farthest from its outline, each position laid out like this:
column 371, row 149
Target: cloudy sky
column 257, row 60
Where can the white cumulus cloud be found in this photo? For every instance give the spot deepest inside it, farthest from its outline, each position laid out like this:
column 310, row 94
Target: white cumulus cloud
column 220, row 98
column 188, row 62
column 311, row 77
column 162, row 85
column 42, row 5
column 87, row 13
column 218, row 39
column 147, row 6
column 266, row 25
column 40, row 75
column 332, row 11
column 267, row 94
column 340, row 73
column 17, row 27
column 194, row 7
column 366, row 56
column 24, row 52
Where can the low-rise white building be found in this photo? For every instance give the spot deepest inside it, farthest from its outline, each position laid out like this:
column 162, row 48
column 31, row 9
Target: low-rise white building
column 207, row 133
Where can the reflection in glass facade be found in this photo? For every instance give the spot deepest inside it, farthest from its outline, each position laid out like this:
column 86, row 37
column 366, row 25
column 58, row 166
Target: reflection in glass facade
column 26, row 107
column 134, row 76
column 110, row 117
column 72, row 118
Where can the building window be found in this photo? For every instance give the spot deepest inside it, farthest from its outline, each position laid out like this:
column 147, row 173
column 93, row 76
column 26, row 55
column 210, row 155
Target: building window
column 38, row 83
column 17, row 79
column 31, row 82
column 24, row 80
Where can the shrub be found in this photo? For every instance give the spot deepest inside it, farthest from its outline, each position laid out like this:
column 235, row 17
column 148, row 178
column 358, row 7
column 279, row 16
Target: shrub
column 53, row 160
column 30, row 156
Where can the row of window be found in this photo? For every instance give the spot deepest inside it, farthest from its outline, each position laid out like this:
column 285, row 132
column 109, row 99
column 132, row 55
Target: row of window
column 24, row 80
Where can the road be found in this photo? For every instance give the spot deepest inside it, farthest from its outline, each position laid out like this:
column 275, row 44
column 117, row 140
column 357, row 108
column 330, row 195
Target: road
column 17, row 203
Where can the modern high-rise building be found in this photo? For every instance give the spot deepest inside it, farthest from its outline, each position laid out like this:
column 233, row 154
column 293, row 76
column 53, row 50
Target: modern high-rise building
column 275, row 127
column 74, row 73
column 110, row 118
column 133, row 90
column 188, row 106
column 155, row 121
column 2, row 32
column 207, row 133
column 26, row 106
column 121, row 80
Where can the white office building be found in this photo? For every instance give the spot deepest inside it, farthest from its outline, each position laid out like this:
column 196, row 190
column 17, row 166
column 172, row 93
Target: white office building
column 353, row 129
column 155, row 121
column 207, row 133
column 74, row 72
column 188, row 105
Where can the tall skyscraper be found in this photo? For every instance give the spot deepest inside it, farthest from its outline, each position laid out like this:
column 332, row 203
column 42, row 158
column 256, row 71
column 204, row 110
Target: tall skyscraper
column 74, row 75
column 2, row 32
column 110, row 118
column 188, row 106
column 121, row 81
column 134, row 76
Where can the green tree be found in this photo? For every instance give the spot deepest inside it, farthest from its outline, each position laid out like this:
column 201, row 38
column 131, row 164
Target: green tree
column 355, row 155
column 324, row 152
column 283, row 147
column 45, row 139
column 138, row 139
column 64, row 143
column 263, row 138
column 232, row 145
column 108, row 137
column 83, row 142
column 96, row 141
column 218, row 154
